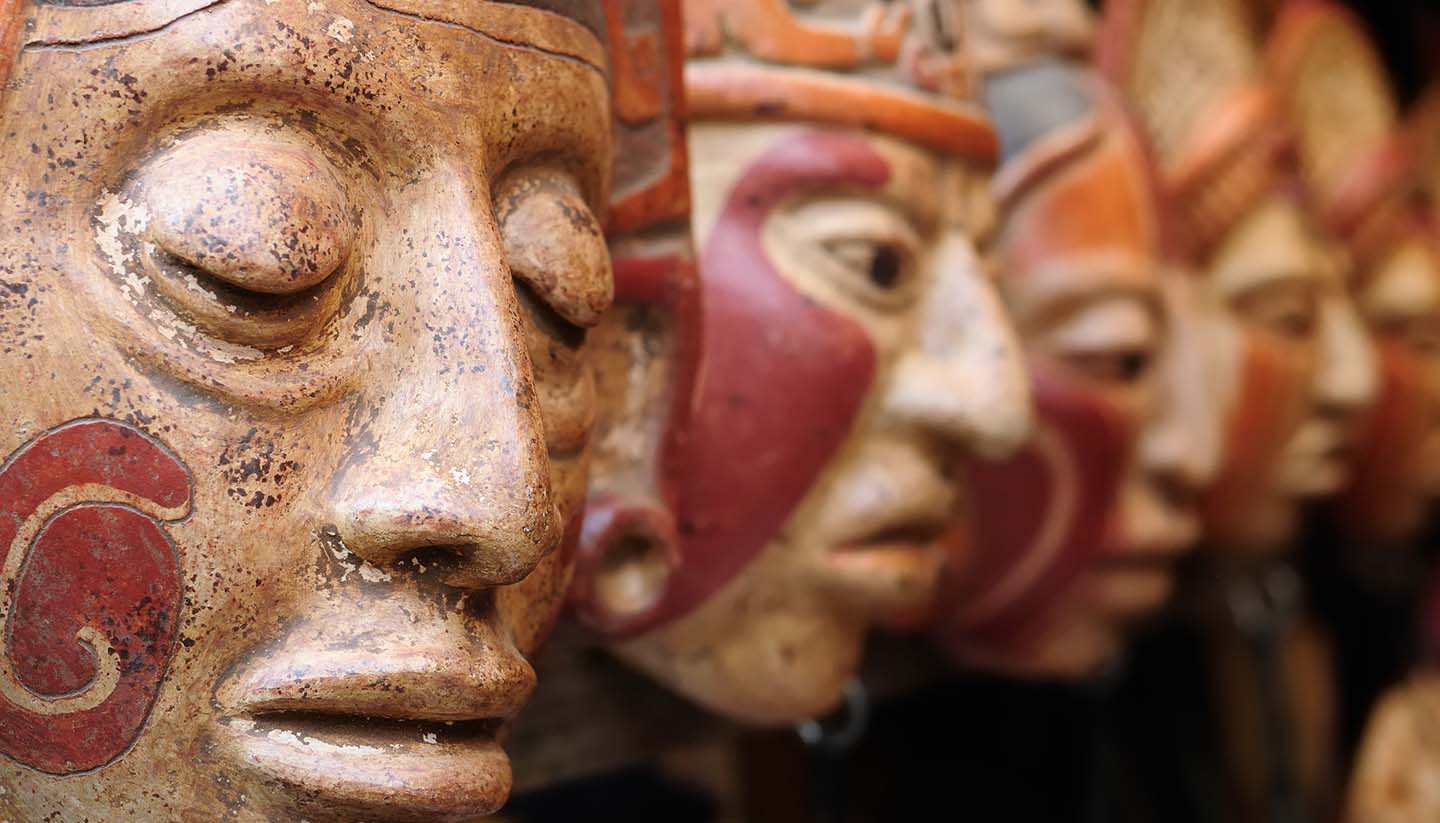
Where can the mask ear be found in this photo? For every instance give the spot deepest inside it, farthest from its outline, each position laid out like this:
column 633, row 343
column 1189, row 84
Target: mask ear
column 628, row 552
column 646, row 355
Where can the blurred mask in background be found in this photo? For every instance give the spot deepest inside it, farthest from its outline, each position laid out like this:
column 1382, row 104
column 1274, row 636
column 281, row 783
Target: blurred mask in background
column 1067, row 544
column 1361, row 173
column 1293, row 364
column 853, row 348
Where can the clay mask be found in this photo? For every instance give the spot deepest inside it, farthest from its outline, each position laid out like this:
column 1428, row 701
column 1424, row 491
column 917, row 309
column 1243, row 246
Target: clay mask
column 1062, row 548
column 297, row 398
column 1294, row 367
column 1362, row 173
column 836, row 388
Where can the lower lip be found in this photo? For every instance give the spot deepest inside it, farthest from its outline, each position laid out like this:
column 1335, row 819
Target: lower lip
column 1132, row 591
column 343, row 769
column 888, row 578
column 1327, row 475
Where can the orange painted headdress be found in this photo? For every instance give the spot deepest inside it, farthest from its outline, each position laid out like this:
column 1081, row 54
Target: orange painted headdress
column 1357, row 164
column 1192, row 71
column 896, row 67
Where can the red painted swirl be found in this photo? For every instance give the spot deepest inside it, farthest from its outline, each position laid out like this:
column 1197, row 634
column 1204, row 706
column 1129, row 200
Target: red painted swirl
column 103, row 569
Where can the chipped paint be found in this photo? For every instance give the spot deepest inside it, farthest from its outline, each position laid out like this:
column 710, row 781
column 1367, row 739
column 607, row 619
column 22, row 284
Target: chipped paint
column 342, row 29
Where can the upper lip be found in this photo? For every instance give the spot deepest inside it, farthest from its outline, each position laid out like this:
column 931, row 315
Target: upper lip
column 894, row 509
column 420, row 684
column 1319, row 458
column 908, row 501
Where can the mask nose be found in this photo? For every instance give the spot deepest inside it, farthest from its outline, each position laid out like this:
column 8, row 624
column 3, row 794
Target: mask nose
column 1180, row 446
column 1346, row 380
column 964, row 381
column 446, row 459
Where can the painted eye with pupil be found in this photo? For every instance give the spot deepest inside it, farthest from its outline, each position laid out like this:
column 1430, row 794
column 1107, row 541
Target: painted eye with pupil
column 880, row 270
column 867, row 252
column 1121, row 367
column 1113, row 340
column 885, row 266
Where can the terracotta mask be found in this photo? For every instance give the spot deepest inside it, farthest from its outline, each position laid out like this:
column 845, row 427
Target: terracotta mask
column 297, row 398
column 1295, row 368
column 1071, row 541
column 852, row 347
column 1362, row 173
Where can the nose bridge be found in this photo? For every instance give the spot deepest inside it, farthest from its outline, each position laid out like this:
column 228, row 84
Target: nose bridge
column 963, row 377
column 1183, row 439
column 446, row 447
column 1346, row 378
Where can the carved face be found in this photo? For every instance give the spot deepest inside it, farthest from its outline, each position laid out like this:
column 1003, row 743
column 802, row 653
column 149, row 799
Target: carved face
column 287, row 288
column 853, row 350
column 1297, row 369
column 1397, row 462
column 1076, row 537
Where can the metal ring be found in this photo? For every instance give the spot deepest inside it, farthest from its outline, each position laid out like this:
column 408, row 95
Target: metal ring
column 854, row 717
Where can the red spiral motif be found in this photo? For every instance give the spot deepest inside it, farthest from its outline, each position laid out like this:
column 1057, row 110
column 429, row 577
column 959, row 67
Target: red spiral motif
column 91, row 594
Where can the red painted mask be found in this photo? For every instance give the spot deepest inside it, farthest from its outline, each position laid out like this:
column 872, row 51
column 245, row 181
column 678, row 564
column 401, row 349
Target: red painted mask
column 1362, row 173
column 1293, row 368
column 1061, row 537
column 835, row 216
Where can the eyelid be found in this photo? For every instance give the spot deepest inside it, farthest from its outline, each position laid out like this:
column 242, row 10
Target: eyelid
column 1299, row 289
column 1276, row 281
column 1111, row 323
column 554, row 243
column 835, row 222
column 253, row 210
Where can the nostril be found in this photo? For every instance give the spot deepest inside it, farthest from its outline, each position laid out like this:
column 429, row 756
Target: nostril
column 426, row 560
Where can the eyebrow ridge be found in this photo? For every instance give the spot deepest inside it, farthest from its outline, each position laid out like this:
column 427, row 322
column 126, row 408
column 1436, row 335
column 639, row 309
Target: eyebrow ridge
column 499, row 41
column 115, row 40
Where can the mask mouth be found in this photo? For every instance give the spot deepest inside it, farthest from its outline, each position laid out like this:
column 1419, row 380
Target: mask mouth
column 887, row 555
column 334, row 766
column 1317, row 461
column 379, row 712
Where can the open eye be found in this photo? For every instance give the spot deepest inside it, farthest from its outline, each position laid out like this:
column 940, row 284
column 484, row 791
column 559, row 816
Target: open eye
column 245, row 234
column 1421, row 333
column 863, row 248
column 1286, row 308
column 1115, row 366
column 887, row 267
column 1114, row 340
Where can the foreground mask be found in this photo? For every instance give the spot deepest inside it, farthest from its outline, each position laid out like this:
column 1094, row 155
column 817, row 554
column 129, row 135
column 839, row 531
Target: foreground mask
column 1076, row 537
column 852, row 348
column 1362, row 174
column 297, row 398
column 1294, row 365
